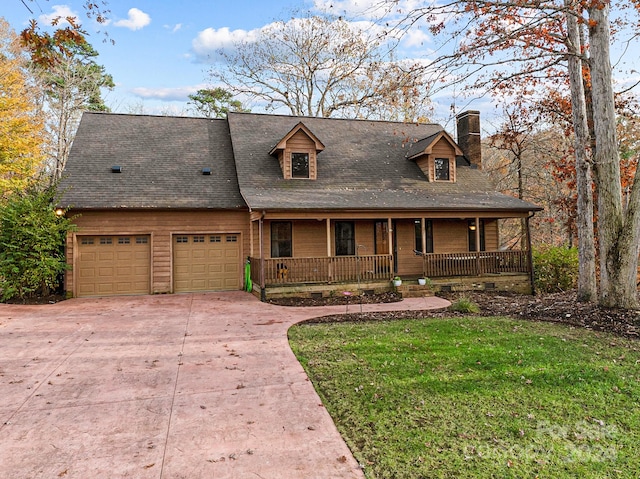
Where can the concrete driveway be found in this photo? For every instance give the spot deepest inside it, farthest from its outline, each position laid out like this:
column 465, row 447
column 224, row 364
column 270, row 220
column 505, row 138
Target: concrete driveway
column 176, row 386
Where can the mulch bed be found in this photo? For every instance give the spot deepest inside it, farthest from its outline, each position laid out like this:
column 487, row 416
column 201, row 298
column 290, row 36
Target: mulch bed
column 49, row 299
column 339, row 299
column 558, row 308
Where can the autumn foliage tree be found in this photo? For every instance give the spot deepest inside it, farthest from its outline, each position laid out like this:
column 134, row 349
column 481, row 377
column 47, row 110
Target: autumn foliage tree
column 516, row 47
column 21, row 125
column 46, row 46
column 64, row 64
column 518, row 156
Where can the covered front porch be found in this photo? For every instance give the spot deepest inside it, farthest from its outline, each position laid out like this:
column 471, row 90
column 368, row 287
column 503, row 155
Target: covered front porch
column 301, row 256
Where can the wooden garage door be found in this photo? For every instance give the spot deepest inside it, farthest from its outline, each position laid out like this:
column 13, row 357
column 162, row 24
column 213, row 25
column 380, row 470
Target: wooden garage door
column 112, row 265
column 206, row 262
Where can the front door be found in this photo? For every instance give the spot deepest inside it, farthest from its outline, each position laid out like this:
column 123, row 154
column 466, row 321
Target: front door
column 381, row 240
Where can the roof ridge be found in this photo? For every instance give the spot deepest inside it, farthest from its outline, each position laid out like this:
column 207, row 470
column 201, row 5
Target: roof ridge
column 323, row 118
column 150, row 115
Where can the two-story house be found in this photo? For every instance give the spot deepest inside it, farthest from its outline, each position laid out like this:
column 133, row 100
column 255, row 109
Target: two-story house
column 311, row 205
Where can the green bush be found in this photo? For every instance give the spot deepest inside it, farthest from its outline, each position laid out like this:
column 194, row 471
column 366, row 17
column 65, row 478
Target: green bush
column 464, row 305
column 31, row 244
column 555, row 268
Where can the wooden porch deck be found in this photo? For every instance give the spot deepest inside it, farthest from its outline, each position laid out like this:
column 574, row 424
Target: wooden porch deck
column 339, row 269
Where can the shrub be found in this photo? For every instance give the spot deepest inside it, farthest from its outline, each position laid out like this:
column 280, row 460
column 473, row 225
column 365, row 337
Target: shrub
column 31, row 244
column 555, row 268
column 464, row 305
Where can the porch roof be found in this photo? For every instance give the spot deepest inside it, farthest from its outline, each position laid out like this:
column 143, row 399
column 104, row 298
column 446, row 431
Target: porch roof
column 363, row 167
column 368, row 199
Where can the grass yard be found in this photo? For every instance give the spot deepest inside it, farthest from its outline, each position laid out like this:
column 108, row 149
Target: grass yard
column 478, row 397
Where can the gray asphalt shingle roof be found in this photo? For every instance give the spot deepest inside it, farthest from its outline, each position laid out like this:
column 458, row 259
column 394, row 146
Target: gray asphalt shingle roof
column 363, row 166
column 161, row 158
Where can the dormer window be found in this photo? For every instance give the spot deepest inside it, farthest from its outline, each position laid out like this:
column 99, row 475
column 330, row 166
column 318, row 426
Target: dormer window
column 300, row 165
column 436, row 156
column 297, row 153
column 441, row 167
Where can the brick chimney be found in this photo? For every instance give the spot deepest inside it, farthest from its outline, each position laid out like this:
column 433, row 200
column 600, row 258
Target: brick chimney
column 468, row 125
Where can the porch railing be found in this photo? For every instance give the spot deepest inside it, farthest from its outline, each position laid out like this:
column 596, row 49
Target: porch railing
column 338, row 269
column 334, row 269
column 475, row 263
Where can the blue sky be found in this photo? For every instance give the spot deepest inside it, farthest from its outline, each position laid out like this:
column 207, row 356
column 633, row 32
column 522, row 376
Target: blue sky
column 153, row 61
column 162, row 47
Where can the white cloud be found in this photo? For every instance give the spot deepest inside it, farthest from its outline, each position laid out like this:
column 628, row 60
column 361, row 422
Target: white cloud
column 416, row 38
column 136, row 20
column 59, row 11
column 166, row 93
column 174, row 28
column 211, row 40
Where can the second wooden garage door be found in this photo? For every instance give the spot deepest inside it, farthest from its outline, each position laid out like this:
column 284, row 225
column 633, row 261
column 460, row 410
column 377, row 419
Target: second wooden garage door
column 206, row 262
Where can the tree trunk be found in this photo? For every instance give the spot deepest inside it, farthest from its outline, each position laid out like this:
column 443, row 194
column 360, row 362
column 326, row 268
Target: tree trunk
column 617, row 228
column 587, row 289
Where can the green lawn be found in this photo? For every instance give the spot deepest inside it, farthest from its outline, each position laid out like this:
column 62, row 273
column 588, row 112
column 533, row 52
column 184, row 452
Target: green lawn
column 478, row 397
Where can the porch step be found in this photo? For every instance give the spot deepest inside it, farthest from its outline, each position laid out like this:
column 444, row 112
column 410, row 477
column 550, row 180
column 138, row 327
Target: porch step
column 414, row 290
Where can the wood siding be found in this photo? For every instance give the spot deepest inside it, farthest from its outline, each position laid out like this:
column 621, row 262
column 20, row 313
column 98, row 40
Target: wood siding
column 364, row 237
column 160, row 226
column 491, row 235
column 309, row 240
column 300, row 143
column 442, row 149
column 450, row 236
